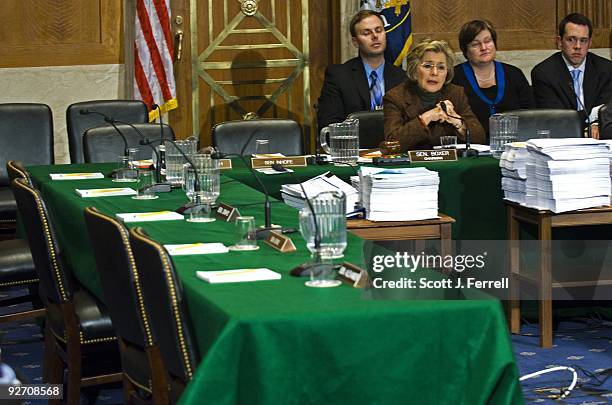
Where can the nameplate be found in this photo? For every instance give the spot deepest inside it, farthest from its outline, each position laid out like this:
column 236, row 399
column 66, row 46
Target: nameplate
column 294, row 161
column 225, row 164
column 280, row 242
column 353, row 275
column 227, row 213
column 439, row 155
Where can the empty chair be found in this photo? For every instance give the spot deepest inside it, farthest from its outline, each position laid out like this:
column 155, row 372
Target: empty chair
column 163, row 297
column 285, row 136
column 104, row 144
column 605, row 121
column 371, row 128
column 78, row 326
column 561, row 123
column 144, row 376
column 132, row 111
column 26, row 134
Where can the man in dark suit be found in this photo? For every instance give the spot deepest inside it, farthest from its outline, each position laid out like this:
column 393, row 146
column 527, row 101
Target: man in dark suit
column 573, row 78
column 359, row 83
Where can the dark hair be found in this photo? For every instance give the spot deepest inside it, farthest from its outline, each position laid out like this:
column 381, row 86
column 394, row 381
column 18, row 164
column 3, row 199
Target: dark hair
column 469, row 30
column 362, row 15
column 575, row 18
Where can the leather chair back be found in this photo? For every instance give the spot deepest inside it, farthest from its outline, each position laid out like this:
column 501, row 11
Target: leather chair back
column 55, row 285
column 285, row 136
column 371, row 128
column 132, row 111
column 16, row 170
column 163, row 297
column 26, row 134
column 605, row 121
column 561, row 123
column 104, row 144
column 119, row 277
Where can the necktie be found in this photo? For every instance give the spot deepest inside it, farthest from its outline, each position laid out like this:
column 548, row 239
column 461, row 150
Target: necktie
column 375, row 91
column 576, row 80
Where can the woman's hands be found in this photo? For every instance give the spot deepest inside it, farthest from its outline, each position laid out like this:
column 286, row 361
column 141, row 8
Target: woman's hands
column 439, row 114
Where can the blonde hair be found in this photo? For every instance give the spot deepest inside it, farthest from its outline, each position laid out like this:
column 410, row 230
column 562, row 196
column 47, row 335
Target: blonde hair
column 415, row 57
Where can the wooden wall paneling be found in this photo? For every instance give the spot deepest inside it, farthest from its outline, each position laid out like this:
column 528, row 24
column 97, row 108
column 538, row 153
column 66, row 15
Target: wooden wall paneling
column 60, row 32
column 180, row 118
column 598, row 11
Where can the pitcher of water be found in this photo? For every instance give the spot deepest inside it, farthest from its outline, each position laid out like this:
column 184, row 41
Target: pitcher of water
column 343, row 144
column 330, row 213
column 175, row 160
column 207, row 188
column 503, row 129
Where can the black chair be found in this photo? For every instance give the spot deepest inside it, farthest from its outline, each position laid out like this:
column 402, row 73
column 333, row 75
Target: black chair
column 79, row 335
column 163, row 297
column 285, row 136
column 143, row 372
column 371, row 128
column 17, row 267
column 605, row 121
column 104, row 144
column 561, row 123
column 132, row 111
column 26, row 134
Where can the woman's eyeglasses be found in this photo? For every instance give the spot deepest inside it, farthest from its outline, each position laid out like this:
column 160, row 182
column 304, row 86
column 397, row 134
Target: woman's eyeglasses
column 440, row 67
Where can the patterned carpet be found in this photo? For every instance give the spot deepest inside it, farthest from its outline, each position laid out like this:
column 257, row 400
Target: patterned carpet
column 582, row 343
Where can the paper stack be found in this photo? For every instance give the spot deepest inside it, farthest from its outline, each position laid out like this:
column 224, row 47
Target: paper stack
column 567, row 174
column 294, row 196
column 406, row 194
column 513, row 163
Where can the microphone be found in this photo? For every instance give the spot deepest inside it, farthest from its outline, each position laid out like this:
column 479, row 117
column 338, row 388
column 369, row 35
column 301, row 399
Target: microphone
column 261, row 233
column 581, row 105
column 469, row 152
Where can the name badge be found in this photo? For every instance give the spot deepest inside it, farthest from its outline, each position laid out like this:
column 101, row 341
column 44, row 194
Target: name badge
column 294, row 161
column 225, row 164
column 438, row 155
column 353, row 275
column 227, row 213
column 280, row 242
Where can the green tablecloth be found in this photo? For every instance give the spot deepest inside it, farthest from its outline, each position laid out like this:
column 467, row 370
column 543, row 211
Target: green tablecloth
column 280, row 342
column 470, row 192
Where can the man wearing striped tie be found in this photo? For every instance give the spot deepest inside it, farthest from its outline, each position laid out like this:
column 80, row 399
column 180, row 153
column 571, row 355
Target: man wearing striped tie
column 360, row 83
column 573, row 78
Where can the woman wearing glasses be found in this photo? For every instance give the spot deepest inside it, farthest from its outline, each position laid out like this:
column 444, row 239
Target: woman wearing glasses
column 427, row 106
column 490, row 86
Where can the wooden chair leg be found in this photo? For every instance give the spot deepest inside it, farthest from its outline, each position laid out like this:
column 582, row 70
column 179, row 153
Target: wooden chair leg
column 73, row 381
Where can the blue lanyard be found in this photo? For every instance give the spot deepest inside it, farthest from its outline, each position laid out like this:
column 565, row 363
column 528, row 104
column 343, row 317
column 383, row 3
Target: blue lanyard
column 501, row 84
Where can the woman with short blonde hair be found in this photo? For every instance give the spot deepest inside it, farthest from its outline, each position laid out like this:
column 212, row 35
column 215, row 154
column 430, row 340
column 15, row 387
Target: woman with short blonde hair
column 427, row 106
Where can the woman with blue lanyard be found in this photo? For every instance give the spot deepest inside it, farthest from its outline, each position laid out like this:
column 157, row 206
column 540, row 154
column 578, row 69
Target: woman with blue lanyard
column 491, row 86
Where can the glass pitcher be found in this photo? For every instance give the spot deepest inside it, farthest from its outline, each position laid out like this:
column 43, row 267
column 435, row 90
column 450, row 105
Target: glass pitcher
column 503, row 129
column 330, row 212
column 343, row 146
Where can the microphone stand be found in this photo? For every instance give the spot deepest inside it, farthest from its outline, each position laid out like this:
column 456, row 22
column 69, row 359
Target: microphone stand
column 469, row 152
column 114, row 173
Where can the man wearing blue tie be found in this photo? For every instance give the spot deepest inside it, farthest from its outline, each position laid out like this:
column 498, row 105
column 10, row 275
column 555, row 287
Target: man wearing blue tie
column 573, row 78
column 360, row 83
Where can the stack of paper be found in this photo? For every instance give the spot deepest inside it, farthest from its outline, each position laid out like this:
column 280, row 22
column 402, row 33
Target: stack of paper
column 105, row 192
column 196, row 249
column 237, row 276
column 150, row 216
column 75, row 176
column 567, row 174
column 407, row 194
column 294, row 196
column 513, row 163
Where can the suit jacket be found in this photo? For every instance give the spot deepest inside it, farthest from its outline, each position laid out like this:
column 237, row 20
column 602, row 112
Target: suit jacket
column 553, row 86
column 403, row 106
column 345, row 90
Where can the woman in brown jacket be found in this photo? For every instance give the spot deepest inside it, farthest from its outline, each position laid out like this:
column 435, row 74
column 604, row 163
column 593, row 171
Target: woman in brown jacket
column 414, row 114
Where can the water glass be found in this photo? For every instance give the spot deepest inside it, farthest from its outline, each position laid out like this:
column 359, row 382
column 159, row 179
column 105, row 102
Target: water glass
column 124, row 174
column 200, row 211
column 330, row 212
column 146, row 183
column 322, row 273
column 207, row 186
column 175, row 160
column 246, row 238
column 448, row 142
column 262, row 147
column 133, row 158
column 343, row 144
column 503, row 129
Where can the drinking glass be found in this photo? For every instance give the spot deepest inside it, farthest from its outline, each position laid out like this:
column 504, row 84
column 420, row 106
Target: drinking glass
column 322, row 273
column 146, row 182
column 200, row 211
column 245, row 234
column 330, row 212
column 448, row 142
column 262, row 147
column 124, row 174
column 343, row 144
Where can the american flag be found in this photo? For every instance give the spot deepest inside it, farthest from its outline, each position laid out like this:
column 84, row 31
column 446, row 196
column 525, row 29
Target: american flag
column 153, row 52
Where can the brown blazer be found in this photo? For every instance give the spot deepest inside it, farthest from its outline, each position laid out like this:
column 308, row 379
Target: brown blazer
column 403, row 106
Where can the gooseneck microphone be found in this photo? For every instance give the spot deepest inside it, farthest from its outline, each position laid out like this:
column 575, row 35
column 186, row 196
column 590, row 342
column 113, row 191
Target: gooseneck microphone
column 469, row 152
column 111, row 121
